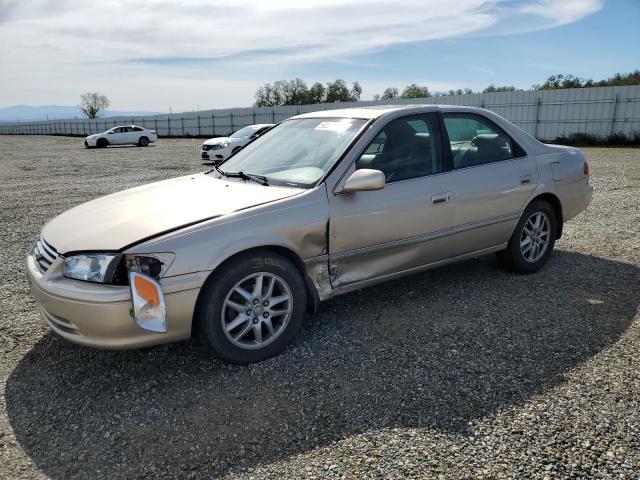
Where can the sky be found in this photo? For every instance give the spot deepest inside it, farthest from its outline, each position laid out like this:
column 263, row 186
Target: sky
column 159, row 54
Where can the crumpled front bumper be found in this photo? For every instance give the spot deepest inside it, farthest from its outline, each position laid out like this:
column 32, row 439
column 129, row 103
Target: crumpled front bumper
column 100, row 316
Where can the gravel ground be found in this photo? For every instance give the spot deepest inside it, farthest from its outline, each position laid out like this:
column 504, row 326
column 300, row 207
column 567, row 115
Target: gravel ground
column 461, row 372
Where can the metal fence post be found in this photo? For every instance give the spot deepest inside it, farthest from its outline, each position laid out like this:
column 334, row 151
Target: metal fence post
column 199, row 134
column 181, row 126
column 613, row 114
column 537, row 118
column 273, row 116
column 213, row 124
column 231, row 121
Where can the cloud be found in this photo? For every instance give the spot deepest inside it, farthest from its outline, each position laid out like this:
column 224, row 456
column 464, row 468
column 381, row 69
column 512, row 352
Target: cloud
column 57, row 46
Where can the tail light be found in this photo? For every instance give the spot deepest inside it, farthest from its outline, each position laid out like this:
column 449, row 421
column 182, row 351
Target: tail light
column 585, row 168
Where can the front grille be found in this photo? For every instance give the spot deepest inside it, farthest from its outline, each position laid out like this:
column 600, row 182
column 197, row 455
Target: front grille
column 44, row 254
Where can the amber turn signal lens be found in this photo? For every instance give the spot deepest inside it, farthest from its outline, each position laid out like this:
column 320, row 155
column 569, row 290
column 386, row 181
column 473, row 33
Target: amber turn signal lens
column 147, row 290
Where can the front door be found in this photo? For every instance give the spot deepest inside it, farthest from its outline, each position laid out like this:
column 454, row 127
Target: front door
column 379, row 233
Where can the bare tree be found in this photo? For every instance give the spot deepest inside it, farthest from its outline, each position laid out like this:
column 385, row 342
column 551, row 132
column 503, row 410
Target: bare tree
column 92, row 103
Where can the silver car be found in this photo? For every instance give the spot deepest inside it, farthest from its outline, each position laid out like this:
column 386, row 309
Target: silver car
column 322, row 204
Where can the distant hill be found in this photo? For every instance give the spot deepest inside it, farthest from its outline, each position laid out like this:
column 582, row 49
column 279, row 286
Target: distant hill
column 27, row 113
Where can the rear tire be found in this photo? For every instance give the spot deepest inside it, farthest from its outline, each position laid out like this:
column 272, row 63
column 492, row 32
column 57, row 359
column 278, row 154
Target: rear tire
column 240, row 318
column 143, row 141
column 532, row 241
column 102, row 143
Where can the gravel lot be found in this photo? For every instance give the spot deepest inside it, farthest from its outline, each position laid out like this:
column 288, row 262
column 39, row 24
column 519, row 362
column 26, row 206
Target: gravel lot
column 461, row 372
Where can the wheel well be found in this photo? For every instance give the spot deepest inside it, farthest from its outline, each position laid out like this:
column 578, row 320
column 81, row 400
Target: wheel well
column 313, row 299
column 554, row 201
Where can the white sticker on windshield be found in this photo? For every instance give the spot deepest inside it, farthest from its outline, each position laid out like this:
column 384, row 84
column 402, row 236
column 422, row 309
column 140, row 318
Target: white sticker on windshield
column 340, row 126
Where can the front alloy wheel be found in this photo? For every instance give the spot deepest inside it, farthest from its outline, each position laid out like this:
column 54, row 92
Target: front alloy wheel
column 251, row 308
column 257, row 310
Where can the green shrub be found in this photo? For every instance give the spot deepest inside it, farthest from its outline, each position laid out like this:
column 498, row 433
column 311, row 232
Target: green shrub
column 587, row 140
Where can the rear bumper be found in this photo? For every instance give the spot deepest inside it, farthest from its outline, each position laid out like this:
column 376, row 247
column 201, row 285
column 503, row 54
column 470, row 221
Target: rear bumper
column 100, row 316
column 576, row 204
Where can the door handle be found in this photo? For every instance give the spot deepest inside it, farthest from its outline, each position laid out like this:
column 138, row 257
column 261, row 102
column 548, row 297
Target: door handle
column 438, row 198
column 525, row 179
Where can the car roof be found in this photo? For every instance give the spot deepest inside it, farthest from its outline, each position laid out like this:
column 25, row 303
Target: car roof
column 376, row 111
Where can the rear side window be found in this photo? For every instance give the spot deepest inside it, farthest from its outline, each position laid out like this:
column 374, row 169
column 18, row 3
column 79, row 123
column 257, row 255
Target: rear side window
column 475, row 140
column 405, row 148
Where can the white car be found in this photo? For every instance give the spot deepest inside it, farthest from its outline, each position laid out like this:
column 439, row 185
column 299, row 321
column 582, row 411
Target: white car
column 217, row 149
column 122, row 135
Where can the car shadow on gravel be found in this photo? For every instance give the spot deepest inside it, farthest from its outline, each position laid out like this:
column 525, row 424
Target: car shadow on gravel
column 434, row 350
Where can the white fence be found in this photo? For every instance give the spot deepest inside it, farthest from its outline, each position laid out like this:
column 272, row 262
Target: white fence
column 546, row 114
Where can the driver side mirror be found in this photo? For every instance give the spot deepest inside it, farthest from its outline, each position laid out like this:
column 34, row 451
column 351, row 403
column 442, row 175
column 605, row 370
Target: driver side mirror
column 364, row 180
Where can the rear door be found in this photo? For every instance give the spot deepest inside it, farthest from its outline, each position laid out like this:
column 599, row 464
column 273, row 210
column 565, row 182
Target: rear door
column 136, row 133
column 493, row 177
column 129, row 136
column 374, row 234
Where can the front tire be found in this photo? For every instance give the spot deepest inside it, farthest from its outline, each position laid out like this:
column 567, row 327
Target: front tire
column 252, row 308
column 102, row 143
column 532, row 241
column 143, row 141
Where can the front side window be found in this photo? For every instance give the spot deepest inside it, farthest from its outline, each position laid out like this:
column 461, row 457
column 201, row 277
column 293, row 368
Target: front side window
column 297, row 152
column 475, row 140
column 137, row 129
column 245, row 132
column 405, row 148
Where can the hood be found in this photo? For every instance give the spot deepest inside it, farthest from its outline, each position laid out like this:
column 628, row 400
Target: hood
column 121, row 219
column 215, row 141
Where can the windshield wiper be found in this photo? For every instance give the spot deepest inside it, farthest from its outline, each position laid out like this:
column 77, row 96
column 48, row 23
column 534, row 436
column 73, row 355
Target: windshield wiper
column 244, row 176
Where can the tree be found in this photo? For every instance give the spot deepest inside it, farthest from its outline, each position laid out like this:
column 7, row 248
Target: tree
column 92, row 103
column 390, row 93
column 492, row 88
column 571, row 81
column 338, row 91
column 282, row 92
column 356, row 91
column 296, row 92
column 316, row 93
column 563, row 81
column 415, row 91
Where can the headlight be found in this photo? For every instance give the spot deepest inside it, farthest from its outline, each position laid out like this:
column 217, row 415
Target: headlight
column 96, row 268
column 154, row 264
column 218, row 146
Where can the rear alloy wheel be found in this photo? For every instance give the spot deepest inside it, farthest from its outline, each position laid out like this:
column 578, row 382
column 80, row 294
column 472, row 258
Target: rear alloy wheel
column 532, row 241
column 143, row 142
column 252, row 308
column 102, row 143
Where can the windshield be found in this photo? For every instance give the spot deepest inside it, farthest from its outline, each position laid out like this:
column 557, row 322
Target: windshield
column 297, row 152
column 245, row 132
